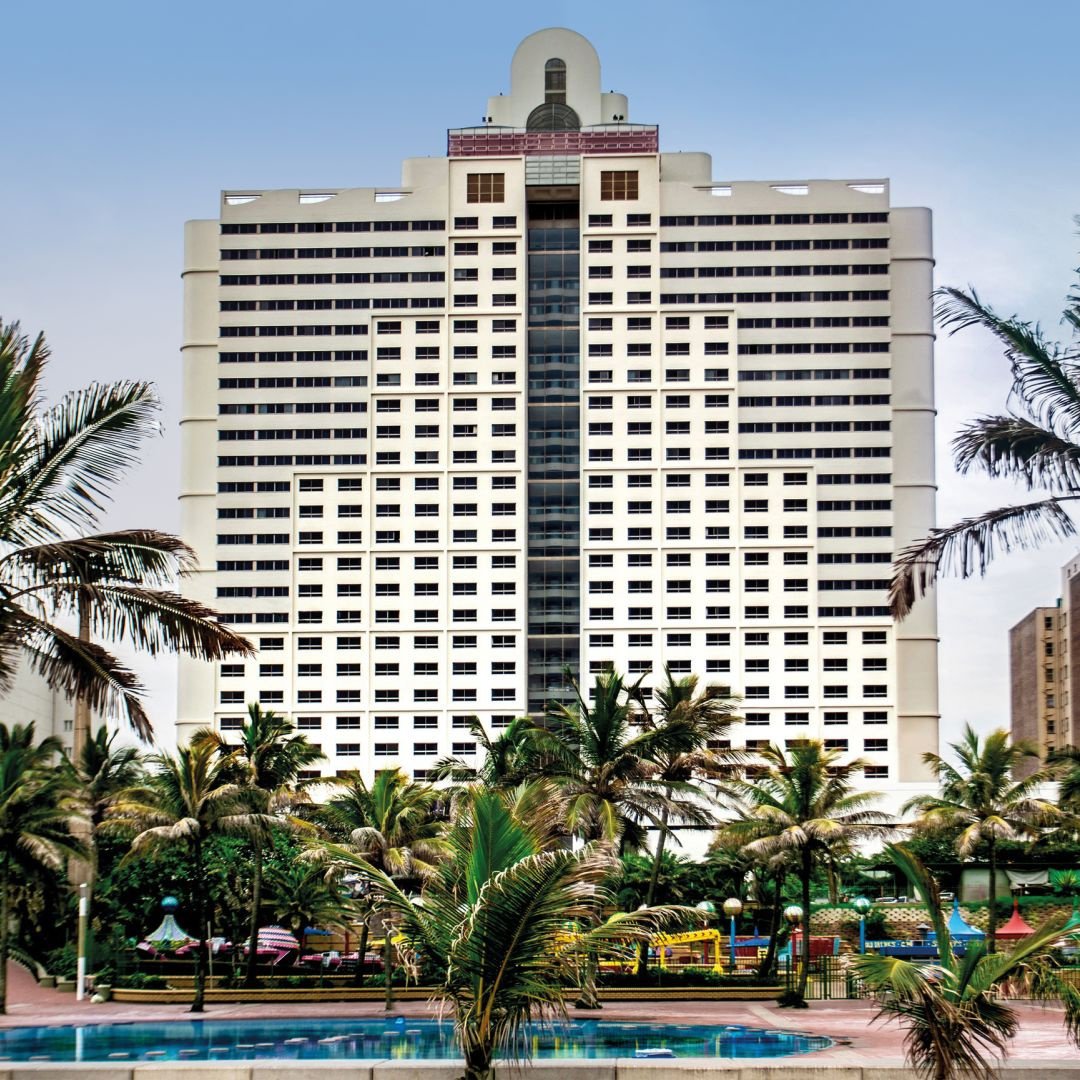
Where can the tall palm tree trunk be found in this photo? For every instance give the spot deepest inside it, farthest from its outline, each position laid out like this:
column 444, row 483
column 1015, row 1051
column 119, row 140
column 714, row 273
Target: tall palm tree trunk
column 478, row 1063
column 991, row 929
column 5, row 916
column 804, row 971
column 769, row 962
column 200, row 913
column 650, row 894
column 81, row 719
column 251, row 975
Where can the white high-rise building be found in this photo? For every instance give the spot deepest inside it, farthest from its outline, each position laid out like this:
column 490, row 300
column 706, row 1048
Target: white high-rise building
column 560, row 399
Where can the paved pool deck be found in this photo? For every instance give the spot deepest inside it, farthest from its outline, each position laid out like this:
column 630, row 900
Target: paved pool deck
column 859, row 1043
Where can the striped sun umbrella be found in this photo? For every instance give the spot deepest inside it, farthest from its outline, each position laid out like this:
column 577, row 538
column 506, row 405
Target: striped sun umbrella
column 277, row 938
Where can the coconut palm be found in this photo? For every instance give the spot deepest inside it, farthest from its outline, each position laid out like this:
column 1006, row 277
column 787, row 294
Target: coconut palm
column 1064, row 764
column 301, row 896
column 269, row 758
column 105, row 769
column 38, row 805
column 954, row 1023
column 510, row 758
column 707, row 717
column 58, row 466
column 1035, row 441
column 497, row 910
column 770, row 870
column 609, row 773
column 189, row 798
column 392, row 825
column 983, row 798
column 804, row 803
column 102, row 770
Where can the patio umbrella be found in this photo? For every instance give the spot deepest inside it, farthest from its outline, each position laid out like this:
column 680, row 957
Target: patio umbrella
column 1016, row 928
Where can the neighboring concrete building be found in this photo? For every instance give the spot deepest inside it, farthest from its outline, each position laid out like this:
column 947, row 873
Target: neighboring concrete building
column 558, row 400
column 1044, row 658
column 30, row 700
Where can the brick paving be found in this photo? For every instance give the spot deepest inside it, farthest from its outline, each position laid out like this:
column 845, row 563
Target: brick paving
column 858, row 1041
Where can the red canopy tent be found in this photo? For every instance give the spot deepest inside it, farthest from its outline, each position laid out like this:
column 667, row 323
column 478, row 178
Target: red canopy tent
column 1016, row 928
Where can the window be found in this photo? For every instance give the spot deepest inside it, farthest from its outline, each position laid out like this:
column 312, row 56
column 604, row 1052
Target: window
column 619, row 185
column 485, row 187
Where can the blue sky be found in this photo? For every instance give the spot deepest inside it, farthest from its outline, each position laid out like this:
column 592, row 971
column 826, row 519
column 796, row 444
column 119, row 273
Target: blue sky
column 122, row 120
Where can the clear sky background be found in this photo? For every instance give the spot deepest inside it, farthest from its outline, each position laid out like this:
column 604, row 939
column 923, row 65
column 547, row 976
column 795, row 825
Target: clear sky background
column 122, row 120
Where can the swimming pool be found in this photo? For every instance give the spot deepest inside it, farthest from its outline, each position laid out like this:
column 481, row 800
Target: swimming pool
column 391, row 1037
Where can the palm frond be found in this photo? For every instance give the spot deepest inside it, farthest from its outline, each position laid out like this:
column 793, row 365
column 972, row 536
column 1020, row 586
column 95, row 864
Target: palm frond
column 1019, row 449
column 969, row 546
column 1041, row 379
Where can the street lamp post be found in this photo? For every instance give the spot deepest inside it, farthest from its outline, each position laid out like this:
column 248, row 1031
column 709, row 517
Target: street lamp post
column 84, row 915
column 732, row 909
column 862, row 905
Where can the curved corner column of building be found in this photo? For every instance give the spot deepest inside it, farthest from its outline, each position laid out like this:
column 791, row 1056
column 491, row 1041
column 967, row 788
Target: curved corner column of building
column 914, row 485
column 198, row 424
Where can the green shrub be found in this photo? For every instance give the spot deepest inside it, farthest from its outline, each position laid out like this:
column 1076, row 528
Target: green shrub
column 140, row 980
column 62, row 962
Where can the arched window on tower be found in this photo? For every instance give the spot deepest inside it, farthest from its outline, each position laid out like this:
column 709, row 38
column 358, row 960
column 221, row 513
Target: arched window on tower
column 555, row 82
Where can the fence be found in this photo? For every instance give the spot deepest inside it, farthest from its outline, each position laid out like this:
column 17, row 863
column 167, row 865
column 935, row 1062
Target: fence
column 830, row 979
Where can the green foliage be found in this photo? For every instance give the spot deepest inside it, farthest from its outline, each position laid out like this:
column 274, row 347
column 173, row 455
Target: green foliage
column 38, row 806
column 1036, row 442
column 515, row 914
column 983, row 800
column 801, row 811
column 954, row 1022
column 611, row 772
column 62, row 962
column 58, row 467
column 142, row 980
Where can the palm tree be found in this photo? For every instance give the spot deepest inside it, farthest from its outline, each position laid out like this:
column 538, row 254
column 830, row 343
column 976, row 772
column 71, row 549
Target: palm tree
column 392, row 826
column 983, row 798
column 105, row 770
column 269, row 758
column 804, row 803
column 1064, row 764
column 707, row 718
column 190, row 798
column 496, row 912
column 102, row 771
column 609, row 774
column 57, row 468
column 771, row 871
column 38, row 805
column 954, row 1023
column 510, row 758
column 1036, row 441
column 301, row 896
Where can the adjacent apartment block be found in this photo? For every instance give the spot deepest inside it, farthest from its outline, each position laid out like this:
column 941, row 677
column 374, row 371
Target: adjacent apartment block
column 1044, row 654
column 560, row 400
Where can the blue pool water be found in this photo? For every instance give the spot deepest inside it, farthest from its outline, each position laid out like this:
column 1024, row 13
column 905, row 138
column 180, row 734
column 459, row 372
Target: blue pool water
column 392, row 1037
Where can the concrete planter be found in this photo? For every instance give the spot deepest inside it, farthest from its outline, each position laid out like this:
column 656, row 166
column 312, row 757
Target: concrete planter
column 180, row 994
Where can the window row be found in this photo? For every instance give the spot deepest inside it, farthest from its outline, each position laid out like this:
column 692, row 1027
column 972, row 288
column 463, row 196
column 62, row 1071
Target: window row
column 864, row 243
column 247, row 228
column 834, row 296
column 250, row 254
column 705, row 220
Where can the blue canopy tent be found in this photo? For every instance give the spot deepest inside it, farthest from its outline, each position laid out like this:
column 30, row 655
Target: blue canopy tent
column 959, row 929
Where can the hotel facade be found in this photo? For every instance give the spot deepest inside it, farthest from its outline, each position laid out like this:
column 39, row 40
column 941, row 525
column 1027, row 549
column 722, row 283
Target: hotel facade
column 560, row 400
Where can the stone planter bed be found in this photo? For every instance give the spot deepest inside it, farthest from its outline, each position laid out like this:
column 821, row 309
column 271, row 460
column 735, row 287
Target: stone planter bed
column 182, row 994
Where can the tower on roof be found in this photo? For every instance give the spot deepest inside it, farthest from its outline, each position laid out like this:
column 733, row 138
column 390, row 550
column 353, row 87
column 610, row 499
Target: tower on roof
column 555, row 86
